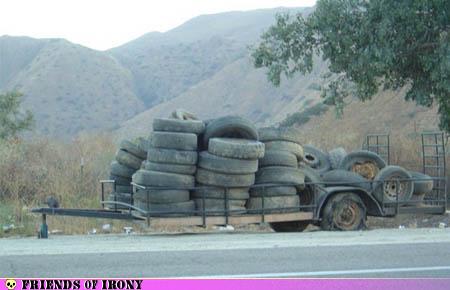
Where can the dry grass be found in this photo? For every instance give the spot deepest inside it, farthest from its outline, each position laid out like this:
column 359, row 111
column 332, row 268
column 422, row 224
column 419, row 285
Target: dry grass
column 32, row 170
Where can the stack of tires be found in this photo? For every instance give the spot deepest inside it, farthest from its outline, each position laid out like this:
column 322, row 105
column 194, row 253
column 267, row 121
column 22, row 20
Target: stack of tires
column 278, row 166
column 168, row 173
column 226, row 169
column 129, row 158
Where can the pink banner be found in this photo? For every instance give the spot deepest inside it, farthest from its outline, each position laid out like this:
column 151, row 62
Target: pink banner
column 225, row 284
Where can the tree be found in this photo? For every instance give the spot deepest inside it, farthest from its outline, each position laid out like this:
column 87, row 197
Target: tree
column 12, row 119
column 369, row 45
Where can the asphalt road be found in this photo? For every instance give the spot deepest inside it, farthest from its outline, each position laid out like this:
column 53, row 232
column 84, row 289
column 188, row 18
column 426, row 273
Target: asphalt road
column 378, row 253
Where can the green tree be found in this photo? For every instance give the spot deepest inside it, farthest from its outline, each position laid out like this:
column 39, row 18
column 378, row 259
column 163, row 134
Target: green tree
column 369, row 45
column 12, row 119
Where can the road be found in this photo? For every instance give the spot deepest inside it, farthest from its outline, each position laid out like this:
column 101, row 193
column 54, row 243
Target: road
column 376, row 253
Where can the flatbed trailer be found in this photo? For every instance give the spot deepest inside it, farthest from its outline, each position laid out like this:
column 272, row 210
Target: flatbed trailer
column 286, row 218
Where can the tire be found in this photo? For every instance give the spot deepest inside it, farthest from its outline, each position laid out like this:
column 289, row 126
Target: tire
column 236, row 148
column 143, row 144
column 120, row 180
column 185, row 208
column 423, row 184
column 274, row 204
column 119, row 197
column 335, row 156
column 312, row 190
column 170, row 168
column 226, row 165
column 133, row 149
column 171, row 140
column 121, row 170
column 365, row 163
column 181, row 114
column 163, row 179
column 278, row 158
column 386, row 186
column 292, row 147
column 342, row 178
column 230, row 127
column 172, row 156
column 161, row 196
column 124, row 189
column 280, row 134
column 128, row 159
column 175, row 125
column 344, row 212
column 278, row 174
column 292, row 226
column 208, row 177
column 273, row 191
column 316, row 159
column 209, row 192
column 218, row 206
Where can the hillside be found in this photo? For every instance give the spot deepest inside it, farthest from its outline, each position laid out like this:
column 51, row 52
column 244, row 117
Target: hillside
column 236, row 89
column 70, row 88
column 164, row 65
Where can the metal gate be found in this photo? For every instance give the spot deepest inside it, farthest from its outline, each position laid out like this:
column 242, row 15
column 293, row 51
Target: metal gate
column 434, row 163
column 380, row 144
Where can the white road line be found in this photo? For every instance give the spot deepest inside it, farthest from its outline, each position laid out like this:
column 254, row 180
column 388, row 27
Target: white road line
column 327, row 273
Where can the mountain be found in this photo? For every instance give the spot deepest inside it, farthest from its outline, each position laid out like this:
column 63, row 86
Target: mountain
column 68, row 87
column 164, row 65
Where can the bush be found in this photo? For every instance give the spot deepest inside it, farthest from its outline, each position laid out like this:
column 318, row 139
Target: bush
column 300, row 118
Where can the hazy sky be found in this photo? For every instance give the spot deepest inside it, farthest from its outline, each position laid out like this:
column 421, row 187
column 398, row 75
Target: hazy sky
column 102, row 24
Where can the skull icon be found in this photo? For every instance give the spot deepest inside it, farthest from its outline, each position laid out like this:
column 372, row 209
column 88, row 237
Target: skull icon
column 10, row 284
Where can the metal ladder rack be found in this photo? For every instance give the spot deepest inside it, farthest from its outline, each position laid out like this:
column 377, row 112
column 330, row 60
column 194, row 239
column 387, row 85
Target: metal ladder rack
column 378, row 143
column 434, row 164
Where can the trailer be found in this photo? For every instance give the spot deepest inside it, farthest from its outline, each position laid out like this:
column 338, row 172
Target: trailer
column 336, row 207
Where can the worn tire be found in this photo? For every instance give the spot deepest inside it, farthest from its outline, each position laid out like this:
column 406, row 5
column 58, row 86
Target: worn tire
column 312, row 190
column 143, row 144
column 236, row 148
column 273, row 191
column 121, row 170
column 280, row 134
column 230, row 127
column 181, row 114
column 424, row 183
column 157, row 209
column 385, row 185
column 278, row 174
column 278, row 158
column 316, row 159
column 170, row 168
column 175, row 125
column 133, row 149
column 120, row 180
column 292, row 147
column 128, row 159
column 124, row 189
column 291, row 226
column 365, row 163
column 161, row 196
column 208, row 177
column 210, row 192
column 346, row 178
column 172, row 156
column 119, row 197
column 163, row 179
column 344, row 212
column 174, row 140
column 218, row 206
column 226, row 165
column 335, row 156
column 274, row 204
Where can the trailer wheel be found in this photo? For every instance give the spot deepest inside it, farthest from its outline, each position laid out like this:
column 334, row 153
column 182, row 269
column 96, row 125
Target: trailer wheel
column 344, row 212
column 293, row 226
